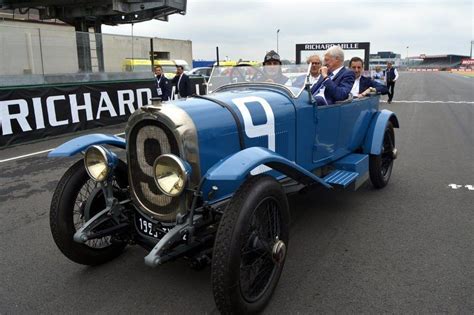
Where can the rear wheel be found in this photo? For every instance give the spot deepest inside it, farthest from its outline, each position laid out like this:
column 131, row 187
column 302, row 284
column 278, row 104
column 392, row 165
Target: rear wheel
column 250, row 246
column 78, row 198
column 380, row 166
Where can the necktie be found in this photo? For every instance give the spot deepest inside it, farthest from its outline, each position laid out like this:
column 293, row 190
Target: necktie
column 315, row 89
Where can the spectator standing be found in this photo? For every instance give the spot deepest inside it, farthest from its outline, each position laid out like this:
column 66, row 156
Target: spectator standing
column 391, row 76
column 182, row 82
column 163, row 86
column 378, row 76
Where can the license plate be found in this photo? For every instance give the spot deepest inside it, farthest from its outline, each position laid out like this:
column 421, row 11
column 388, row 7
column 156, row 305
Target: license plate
column 148, row 228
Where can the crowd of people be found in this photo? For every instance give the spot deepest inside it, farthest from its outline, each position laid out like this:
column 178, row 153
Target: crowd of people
column 330, row 81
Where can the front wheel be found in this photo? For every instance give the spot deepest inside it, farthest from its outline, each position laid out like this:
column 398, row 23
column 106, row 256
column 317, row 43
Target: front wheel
column 78, row 198
column 250, row 246
column 380, row 166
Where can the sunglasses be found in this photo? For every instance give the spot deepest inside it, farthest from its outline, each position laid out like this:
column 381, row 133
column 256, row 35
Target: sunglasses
column 315, row 63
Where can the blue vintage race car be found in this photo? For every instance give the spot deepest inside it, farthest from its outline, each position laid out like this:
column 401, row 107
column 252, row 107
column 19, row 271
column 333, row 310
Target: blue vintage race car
column 206, row 178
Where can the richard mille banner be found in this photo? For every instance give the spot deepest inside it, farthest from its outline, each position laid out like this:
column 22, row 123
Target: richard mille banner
column 31, row 113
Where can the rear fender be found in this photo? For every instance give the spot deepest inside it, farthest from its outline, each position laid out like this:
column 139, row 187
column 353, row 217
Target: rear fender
column 227, row 175
column 79, row 144
column 373, row 140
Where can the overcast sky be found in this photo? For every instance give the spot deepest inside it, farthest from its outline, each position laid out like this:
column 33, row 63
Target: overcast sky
column 247, row 29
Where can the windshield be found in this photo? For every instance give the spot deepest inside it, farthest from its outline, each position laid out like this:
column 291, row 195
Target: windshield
column 291, row 76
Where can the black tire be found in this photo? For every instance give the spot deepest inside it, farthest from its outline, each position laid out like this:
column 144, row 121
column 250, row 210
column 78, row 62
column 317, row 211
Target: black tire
column 380, row 166
column 241, row 238
column 67, row 206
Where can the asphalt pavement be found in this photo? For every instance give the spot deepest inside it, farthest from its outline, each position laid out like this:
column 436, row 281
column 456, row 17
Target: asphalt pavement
column 408, row 248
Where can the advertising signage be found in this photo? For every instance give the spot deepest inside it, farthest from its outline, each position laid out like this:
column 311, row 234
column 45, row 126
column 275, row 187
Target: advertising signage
column 365, row 46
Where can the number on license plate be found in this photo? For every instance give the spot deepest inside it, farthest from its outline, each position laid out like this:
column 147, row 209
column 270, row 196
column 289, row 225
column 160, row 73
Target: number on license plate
column 147, row 228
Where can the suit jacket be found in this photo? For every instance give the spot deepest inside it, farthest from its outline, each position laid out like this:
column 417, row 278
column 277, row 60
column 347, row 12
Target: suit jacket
column 164, row 84
column 338, row 88
column 184, row 88
column 365, row 83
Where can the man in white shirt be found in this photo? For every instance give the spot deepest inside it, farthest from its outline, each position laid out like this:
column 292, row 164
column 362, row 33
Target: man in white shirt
column 391, row 76
column 363, row 86
column 315, row 63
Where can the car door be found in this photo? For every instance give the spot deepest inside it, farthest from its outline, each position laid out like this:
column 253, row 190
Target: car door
column 326, row 140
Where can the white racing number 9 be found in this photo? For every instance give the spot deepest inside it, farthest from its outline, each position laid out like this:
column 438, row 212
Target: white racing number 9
column 255, row 131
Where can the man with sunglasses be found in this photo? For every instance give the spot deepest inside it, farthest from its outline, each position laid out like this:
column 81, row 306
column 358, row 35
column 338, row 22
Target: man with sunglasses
column 315, row 62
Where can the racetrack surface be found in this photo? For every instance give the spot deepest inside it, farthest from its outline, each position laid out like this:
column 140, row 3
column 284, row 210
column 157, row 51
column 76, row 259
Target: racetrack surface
column 408, row 248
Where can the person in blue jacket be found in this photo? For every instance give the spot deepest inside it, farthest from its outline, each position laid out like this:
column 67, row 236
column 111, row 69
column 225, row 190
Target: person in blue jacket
column 363, row 86
column 336, row 81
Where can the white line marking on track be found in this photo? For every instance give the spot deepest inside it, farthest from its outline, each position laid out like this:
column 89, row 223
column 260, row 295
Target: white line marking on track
column 39, row 152
column 456, row 186
column 26, row 155
column 439, row 102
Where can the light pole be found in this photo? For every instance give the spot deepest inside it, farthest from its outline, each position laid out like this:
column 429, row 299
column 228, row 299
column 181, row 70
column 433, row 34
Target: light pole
column 278, row 32
column 407, row 56
column 133, row 63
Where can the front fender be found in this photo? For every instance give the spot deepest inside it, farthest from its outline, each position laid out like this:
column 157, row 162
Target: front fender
column 232, row 171
column 374, row 137
column 79, row 144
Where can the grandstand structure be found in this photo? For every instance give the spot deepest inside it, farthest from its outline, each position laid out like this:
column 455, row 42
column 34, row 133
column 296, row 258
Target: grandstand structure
column 438, row 62
column 382, row 57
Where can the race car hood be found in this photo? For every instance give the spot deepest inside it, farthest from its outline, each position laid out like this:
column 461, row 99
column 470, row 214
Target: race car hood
column 266, row 119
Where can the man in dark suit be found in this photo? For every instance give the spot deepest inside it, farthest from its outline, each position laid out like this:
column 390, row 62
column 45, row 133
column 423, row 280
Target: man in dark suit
column 363, row 86
column 182, row 83
column 336, row 81
column 163, row 85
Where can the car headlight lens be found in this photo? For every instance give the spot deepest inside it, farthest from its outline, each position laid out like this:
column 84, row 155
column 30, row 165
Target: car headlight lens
column 171, row 174
column 97, row 161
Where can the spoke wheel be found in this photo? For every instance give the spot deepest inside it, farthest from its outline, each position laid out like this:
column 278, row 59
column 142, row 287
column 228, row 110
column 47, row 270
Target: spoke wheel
column 76, row 199
column 380, row 166
column 257, row 265
column 250, row 246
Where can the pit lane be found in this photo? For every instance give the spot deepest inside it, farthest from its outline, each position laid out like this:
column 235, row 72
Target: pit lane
column 406, row 248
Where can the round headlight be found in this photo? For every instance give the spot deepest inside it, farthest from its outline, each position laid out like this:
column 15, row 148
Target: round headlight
column 97, row 164
column 171, row 174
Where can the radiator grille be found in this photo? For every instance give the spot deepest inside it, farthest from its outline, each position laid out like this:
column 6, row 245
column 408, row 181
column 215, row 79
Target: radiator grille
column 148, row 140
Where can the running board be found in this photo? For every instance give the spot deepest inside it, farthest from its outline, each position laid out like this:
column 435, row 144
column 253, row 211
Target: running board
column 352, row 170
column 341, row 178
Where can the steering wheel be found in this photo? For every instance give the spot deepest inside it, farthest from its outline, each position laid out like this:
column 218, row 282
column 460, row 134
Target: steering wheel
column 236, row 75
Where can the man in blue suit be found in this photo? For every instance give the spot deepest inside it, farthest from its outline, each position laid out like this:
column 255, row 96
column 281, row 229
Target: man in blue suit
column 336, row 81
column 363, row 86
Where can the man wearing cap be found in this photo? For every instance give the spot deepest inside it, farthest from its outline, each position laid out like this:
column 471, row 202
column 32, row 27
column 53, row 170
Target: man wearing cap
column 336, row 81
column 272, row 69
